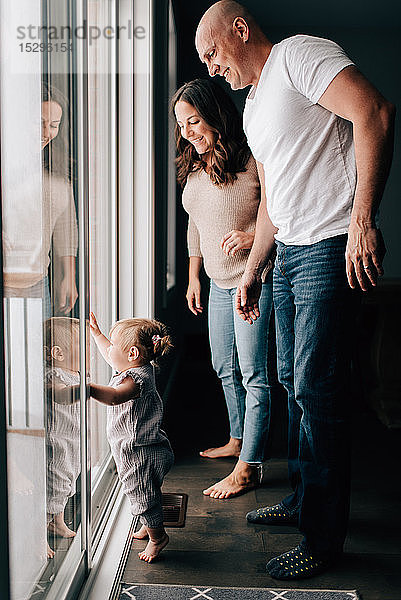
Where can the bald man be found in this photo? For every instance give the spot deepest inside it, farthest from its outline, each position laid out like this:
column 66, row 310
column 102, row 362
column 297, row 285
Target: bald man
column 322, row 136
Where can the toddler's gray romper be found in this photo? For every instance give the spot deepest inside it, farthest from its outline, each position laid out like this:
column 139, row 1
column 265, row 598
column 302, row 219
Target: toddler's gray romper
column 140, row 448
column 62, row 443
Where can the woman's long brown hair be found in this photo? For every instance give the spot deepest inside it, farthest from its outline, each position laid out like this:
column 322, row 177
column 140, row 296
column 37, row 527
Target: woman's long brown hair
column 230, row 152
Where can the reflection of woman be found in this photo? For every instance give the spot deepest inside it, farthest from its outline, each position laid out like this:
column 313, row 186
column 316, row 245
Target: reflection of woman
column 57, row 192
column 55, row 212
column 221, row 195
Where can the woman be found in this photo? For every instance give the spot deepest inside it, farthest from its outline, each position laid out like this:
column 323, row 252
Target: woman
column 39, row 223
column 222, row 195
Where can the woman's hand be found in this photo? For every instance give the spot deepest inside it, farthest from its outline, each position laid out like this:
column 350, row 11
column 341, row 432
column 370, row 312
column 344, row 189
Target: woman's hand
column 67, row 292
column 236, row 240
column 67, row 295
column 193, row 296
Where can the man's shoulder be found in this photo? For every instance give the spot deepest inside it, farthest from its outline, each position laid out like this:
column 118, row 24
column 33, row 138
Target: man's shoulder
column 302, row 39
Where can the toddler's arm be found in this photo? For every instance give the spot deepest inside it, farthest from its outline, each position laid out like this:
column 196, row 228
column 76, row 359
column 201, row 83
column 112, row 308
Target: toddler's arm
column 101, row 340
column 106, row 394
column 65, row 394
column 111, row 396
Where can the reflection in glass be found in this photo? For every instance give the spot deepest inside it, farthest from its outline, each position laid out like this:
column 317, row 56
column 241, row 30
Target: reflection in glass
column 61, row 335
column 59, row 216
column 36, row 223
column 39, row 254
column 102, row 214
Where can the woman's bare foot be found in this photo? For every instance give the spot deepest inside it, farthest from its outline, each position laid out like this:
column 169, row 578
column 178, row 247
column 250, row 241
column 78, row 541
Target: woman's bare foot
column 50, row 552
column 232, row 448
column 244, row 477
column 59, row 528
column 141, row 534
column 158, row 539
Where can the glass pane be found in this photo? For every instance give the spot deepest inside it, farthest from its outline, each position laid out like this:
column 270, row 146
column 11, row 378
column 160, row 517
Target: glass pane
column 40, row 245
column 102, row 208
column 172, row 185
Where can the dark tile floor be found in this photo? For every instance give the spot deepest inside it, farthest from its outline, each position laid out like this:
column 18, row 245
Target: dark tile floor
column 218, row 548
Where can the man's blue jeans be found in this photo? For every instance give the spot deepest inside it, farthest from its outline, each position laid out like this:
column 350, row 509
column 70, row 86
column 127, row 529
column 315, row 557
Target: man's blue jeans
column 313, row 307
column 239, row 357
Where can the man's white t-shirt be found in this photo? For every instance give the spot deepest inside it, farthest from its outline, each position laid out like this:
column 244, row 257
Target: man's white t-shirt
column 307, row 151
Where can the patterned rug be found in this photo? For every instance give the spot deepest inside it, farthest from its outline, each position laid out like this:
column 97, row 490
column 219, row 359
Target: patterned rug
column 142, row 591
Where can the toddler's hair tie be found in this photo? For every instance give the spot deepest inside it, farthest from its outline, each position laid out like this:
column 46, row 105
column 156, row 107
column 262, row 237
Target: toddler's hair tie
column 156, row 338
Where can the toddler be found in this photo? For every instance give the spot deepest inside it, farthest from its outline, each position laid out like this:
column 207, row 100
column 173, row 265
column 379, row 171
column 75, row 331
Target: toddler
column 140, row 448
column 61, row 336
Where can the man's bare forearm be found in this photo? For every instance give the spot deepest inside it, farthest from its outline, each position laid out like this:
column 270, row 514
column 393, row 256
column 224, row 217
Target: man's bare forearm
column 351, row 96
column 374, row 141
column 264, row 232
column 263, row 242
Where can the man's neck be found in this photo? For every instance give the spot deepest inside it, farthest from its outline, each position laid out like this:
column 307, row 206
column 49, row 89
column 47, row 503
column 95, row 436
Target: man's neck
column 262, row 53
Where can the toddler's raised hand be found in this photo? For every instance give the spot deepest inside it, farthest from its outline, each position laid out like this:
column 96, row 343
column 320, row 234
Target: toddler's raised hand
column 94, row 327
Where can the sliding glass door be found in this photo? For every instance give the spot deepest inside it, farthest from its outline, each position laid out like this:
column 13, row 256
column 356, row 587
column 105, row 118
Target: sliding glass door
column 72, row 237
column 41, row 298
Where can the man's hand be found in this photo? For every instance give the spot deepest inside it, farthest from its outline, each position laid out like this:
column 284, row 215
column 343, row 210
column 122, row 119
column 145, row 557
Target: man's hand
column 247, row 297
column 236, row 240
column 364, row 255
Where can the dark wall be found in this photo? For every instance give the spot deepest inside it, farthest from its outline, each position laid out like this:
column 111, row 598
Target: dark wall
column 366, row 31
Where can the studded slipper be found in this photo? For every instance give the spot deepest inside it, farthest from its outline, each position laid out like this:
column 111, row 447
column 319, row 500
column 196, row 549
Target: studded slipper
column 296, row 564
column 272, row 515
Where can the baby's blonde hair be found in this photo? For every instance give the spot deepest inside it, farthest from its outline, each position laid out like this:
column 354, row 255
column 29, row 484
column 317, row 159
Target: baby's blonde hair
column 148, row 335
column 62, row 332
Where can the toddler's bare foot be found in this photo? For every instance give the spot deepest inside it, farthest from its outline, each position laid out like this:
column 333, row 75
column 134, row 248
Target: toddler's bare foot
column 141, row 534
column 50, row 552
column 244, row 477
column 59, row 528
column 232, row 448
column 153, row 548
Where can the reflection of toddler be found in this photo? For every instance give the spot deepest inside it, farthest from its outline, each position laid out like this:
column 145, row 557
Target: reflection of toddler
column 140, row 448
column 61, row 336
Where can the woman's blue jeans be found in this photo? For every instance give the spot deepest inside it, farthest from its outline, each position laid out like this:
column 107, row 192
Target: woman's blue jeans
column 314, row 313
column 239, row 357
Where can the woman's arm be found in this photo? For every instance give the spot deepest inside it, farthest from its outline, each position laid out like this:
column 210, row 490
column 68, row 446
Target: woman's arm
column 194, row 287
column 237, row 240
column 195, row 263
column 126, row 390
column 67, row 294
column 65, row 241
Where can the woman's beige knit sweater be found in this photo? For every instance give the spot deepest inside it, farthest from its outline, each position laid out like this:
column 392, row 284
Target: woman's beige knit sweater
column 214, row 211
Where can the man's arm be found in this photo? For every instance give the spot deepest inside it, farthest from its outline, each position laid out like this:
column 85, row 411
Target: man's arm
column 248, row 291
column 351, row 96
